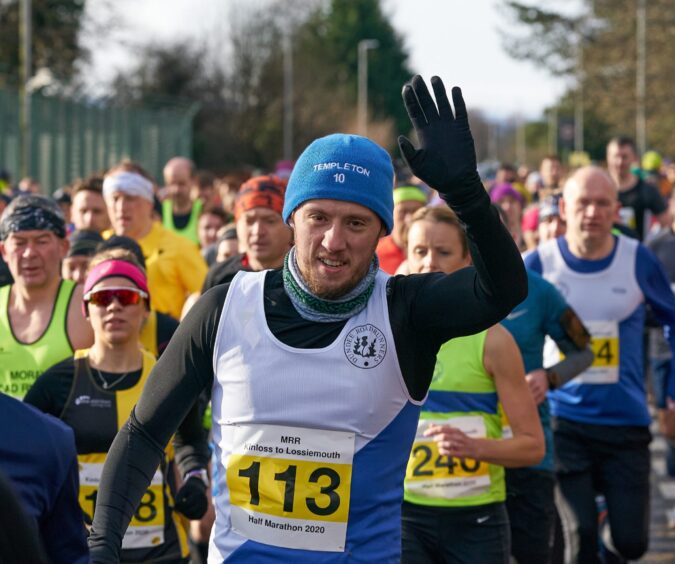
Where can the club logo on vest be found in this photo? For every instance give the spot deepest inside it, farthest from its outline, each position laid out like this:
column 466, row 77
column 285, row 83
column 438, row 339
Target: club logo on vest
column 365, row 346
column 92, row 402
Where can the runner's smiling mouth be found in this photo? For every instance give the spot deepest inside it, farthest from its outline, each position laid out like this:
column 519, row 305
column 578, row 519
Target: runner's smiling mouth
column 331, row 263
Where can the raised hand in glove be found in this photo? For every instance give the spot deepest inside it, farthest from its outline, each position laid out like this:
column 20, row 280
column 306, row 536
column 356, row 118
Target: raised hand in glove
column 191, row 499
column 446, row 159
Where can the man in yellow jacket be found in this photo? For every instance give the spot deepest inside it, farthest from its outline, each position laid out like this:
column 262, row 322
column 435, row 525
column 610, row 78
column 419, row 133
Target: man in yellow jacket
column 175, row 267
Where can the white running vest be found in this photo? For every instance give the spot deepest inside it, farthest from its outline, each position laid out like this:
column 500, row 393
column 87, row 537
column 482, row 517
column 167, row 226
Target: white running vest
column 288, row 422
column 601, row 299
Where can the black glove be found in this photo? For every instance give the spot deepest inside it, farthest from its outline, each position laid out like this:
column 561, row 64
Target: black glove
column 446, row 159
column 191, row 498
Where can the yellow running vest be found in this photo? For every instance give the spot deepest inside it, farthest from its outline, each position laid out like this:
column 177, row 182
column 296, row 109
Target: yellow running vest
column 96, row 415
column 21, row 363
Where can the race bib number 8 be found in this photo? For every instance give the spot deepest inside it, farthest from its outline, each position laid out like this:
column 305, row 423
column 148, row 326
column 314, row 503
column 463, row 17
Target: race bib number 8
column 429, row 474
column 290, row 486
column 147, row 525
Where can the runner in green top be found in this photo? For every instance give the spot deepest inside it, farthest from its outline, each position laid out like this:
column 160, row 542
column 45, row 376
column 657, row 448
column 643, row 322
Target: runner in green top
column 171, row 220
column 454, row 489
column 180, row 213
column 41, row 321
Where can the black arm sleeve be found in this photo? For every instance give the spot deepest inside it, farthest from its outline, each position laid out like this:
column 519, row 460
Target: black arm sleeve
column 183, row 371
column 575, row 362
column 166, row 327
column 427, row 310
column 190, row 442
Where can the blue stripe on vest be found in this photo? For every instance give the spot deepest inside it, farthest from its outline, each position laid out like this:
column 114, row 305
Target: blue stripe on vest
column 449, row 402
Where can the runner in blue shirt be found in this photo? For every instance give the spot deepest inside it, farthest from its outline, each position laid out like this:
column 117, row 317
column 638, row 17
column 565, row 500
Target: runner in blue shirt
column 601, row 430
column 530, row 491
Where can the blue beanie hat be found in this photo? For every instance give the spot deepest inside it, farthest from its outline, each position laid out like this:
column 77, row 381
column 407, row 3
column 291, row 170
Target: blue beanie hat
column 343, row 167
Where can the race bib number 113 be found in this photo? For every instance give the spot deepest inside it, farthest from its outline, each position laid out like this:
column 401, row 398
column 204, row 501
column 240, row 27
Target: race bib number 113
column 290, row 486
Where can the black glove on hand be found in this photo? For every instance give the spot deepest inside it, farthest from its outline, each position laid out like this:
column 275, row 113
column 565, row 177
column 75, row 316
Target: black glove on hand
column 446, row 159
column 191, row 498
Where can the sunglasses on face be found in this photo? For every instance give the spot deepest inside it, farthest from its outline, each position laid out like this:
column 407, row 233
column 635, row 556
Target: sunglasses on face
column 124, row 296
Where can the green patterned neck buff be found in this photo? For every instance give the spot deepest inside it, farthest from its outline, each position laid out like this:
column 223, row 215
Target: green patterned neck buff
column 313, row 308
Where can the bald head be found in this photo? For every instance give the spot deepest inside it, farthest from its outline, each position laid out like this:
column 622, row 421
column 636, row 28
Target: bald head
column 178, row 173
column 590, row 206
column 179, row 163
column 589, row 175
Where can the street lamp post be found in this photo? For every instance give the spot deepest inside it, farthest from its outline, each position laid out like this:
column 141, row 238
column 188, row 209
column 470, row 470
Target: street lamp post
column 553, row 131
column 641, row 76
column 579, row 98
column 362, row 108
column 288, row 95
column 25, row 50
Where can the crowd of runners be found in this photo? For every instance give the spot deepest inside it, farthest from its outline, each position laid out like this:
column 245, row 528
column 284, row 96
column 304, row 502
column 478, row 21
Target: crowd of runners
column 339, row 360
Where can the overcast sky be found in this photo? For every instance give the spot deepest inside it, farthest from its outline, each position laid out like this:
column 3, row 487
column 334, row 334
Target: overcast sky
column 459, row 41
column 456, row 39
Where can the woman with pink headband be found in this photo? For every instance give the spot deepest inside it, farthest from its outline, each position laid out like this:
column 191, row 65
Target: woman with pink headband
column 94, row 392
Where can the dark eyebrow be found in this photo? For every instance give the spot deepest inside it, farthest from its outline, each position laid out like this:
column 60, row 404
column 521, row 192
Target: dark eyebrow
column 314, row 207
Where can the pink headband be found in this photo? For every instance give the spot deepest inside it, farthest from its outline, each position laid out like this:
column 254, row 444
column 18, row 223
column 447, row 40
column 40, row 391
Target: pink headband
column 109, row 268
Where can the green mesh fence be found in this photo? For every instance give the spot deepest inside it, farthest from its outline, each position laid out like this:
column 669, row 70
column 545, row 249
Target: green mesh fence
column 70, row 139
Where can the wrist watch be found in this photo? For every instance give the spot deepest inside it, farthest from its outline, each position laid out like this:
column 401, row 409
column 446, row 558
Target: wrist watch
column 200, row 473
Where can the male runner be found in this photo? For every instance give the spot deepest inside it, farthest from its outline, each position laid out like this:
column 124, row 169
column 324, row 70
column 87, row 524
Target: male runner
column 318, row 369
column 175, row 267
column 640, row 200
column 601, row 431
column 41, row 321
column 211, row 222
column 180, row 212
column 82, row 247
column 551, row 172
column 530, row 491
column 88, row 212
column 264, row 238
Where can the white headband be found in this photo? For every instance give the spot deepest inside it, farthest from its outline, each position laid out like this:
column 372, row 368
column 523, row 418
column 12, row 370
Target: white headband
column 130, row 183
